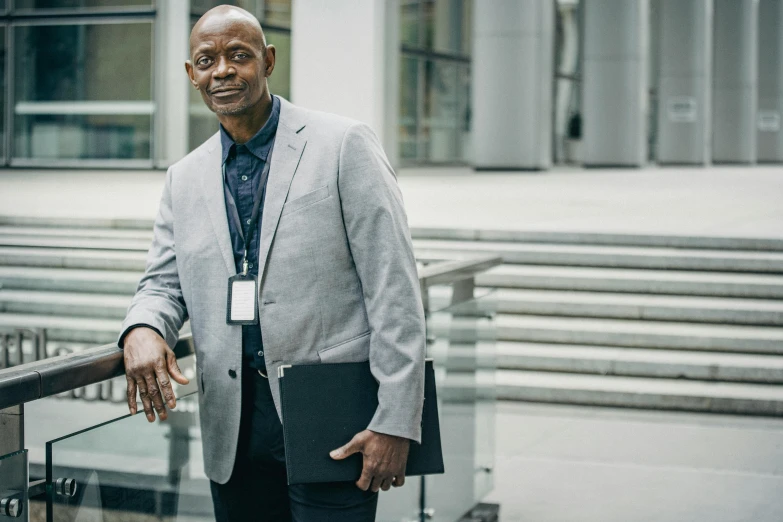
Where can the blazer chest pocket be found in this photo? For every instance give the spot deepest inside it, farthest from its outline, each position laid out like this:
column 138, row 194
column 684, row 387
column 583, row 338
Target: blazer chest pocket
column 355, row 349
column 305, row 201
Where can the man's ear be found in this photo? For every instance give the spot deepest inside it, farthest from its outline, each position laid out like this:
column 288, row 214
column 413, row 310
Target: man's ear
column 269, row 60
column 191, row 76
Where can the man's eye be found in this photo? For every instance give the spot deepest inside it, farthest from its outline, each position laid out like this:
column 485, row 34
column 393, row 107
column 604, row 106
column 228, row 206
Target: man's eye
column 241, row 56
column 203, row 61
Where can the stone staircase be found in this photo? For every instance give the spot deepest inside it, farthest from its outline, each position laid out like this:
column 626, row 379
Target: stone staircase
column 635, row 321
column 599, row 319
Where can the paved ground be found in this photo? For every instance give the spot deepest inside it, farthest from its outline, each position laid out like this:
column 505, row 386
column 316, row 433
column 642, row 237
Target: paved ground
column 562, row 463
column 718, row 201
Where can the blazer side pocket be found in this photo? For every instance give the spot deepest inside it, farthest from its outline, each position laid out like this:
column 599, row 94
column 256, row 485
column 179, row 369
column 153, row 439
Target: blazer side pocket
column 305, row 201
column 355, row 349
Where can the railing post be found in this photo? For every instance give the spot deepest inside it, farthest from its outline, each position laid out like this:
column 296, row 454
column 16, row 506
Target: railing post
column 11, row 440
column 11, row 429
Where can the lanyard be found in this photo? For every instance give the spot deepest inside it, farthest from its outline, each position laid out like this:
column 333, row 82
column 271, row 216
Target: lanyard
column 255, row 216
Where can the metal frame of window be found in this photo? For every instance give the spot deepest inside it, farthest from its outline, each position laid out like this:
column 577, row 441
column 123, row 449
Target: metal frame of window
column 49, row 17
column 422, row 55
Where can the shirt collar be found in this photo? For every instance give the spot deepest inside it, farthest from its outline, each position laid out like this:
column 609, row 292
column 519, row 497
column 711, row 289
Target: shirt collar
column 259, row 144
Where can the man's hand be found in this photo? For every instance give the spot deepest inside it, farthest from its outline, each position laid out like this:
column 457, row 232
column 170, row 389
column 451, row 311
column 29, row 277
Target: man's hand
column 148, row 363
column 385, row 458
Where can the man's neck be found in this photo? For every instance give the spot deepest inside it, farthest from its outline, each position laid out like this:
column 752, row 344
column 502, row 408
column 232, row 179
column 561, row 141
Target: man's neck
column 242, row 127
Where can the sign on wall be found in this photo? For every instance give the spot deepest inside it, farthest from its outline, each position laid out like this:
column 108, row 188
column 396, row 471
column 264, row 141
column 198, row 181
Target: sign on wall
column 768, row 121
column 681, row 109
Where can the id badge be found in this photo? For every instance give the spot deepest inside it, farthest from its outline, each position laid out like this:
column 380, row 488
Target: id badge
column 242, row 305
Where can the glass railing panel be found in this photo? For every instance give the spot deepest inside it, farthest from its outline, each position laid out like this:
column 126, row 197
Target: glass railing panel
column 129, row 469
column 79, row 409
column 462, row 344
column 461, row 341
column 13, row 486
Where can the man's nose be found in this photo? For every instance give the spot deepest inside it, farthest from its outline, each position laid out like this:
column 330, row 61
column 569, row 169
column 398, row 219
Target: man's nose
column 223, row 68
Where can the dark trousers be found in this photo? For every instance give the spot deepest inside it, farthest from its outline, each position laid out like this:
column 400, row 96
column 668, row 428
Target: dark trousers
column 257, row 490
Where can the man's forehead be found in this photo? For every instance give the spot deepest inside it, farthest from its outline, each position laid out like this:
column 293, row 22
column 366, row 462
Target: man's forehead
column 224, row 25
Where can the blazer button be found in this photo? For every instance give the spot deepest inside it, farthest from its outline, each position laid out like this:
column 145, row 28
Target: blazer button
column 232, row 374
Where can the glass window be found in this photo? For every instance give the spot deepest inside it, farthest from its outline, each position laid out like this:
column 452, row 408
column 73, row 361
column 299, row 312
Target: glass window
column 272, row 12
column 280, row 81
column 443, row 23
column 434, row 91
column 80, row 4
column 408, row 122
column 409, row 23
column 441, row 127
column 3, row 90
column 79, row 95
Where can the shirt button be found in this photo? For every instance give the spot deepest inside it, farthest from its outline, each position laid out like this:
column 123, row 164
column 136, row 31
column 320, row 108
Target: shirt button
column 244, row 178
column 232, row 374
column 248, row 221
column 260, row 353
column 250, row 265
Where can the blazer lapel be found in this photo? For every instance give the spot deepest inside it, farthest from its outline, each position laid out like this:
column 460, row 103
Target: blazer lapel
column 212, row 184
column 285, row 159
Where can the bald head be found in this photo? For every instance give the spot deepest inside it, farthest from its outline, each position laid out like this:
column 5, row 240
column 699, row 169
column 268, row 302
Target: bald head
column 227, row 19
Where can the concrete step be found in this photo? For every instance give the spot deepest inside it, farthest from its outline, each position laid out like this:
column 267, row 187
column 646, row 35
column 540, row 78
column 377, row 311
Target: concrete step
column 609, row 256
column 635, row 362
column 61, row 222
column 76, row 233
column 69, row 329
column 640, row 334
column 638, row 392
column 716, row 284
column 69, row 280
column 83, row 243
column 64, row 304
column 73, row 258
column 640, row 307
column 591, row 238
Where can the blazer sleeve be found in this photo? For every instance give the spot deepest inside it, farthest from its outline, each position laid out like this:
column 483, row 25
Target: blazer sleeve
column 377, row 230
column 158, row 302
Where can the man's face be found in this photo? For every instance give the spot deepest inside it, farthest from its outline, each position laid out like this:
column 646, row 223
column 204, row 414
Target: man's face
column 229, row 64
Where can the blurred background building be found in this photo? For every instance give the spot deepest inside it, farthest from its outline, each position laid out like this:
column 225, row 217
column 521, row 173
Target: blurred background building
column 492, row 84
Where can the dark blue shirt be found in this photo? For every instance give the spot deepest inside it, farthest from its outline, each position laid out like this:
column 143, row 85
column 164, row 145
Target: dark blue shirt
column 243, row 167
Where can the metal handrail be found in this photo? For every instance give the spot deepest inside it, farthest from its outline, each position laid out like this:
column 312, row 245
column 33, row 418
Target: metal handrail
column 48, row 377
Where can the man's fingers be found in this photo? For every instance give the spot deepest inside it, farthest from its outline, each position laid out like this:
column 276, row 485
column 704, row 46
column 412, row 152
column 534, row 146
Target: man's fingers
column 174, row 370
column 349, row 449
column 165, row 386
column 145, row 399
column 364, row 481
column 375, row 486
column 386, row 483
column 131, row 395
column 399, row 481
column 154, row 394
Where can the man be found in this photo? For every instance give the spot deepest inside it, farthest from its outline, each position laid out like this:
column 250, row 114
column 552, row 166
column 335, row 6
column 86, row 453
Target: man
column 305, row 206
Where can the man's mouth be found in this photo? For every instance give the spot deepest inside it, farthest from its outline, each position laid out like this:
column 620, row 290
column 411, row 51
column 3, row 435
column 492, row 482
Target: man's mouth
column 225, row 91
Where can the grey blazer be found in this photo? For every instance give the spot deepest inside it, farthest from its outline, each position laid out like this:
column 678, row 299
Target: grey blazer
column 338, row 279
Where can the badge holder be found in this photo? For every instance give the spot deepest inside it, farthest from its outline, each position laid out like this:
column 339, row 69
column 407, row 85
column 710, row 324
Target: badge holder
column 242, row 306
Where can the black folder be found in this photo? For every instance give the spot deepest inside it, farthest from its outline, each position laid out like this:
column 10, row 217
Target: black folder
column 325, row 405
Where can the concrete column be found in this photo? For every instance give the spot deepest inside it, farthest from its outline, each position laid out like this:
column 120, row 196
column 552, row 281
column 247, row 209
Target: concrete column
column 685, row 82
column 735, row 81
column 615, row 97
column 770, row 77
column 512, row 84
column 172, row 89
column 345, row 57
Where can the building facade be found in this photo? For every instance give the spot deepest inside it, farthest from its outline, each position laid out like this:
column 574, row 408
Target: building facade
column 494, row 84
